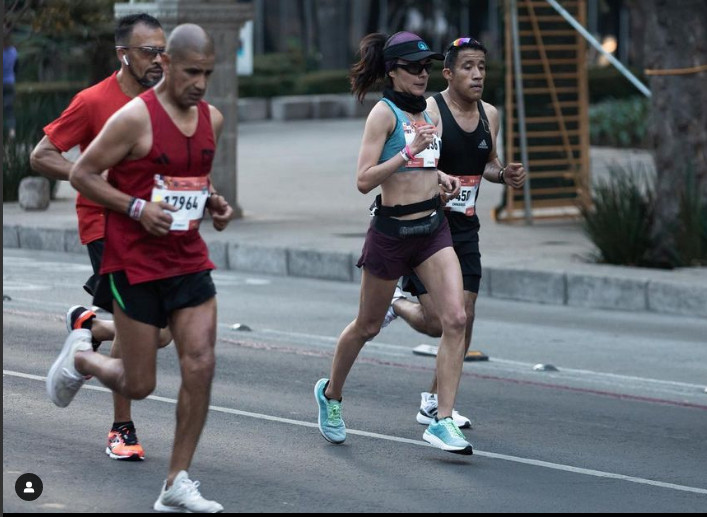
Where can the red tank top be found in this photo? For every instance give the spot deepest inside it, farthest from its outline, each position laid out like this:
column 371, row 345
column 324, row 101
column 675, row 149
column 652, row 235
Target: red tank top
column 128, row 246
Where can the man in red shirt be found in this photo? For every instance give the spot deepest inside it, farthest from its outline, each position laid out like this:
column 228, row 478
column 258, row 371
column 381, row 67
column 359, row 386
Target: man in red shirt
column 140, row 42
column 156, row 270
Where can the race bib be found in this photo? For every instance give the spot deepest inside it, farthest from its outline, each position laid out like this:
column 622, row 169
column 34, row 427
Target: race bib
column 427, row 157
column 465, row 202
column 188, row 195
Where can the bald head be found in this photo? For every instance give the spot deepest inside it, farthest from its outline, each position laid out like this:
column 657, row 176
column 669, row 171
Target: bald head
column 187, row 38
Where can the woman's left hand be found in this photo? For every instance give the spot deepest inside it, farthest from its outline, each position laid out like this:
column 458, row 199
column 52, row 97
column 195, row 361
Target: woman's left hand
column 449, row 186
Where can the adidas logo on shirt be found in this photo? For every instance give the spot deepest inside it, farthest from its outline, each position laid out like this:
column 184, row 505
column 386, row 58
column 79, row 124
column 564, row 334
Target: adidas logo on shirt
column 483, row 145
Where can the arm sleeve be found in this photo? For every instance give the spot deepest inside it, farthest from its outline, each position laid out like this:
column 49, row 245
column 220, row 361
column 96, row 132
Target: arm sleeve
column 71, row 128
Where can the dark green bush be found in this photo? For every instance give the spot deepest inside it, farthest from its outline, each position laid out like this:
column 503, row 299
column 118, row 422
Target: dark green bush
column 619, row 122
column 274, row 75
column 619, row 220
column 266, row 86
column 691, row 234
column 277, row 64
column 35, row 106
column 15, row 166
column 324, row 81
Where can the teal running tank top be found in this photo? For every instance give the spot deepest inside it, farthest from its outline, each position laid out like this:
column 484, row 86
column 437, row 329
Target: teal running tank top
column 402, row 135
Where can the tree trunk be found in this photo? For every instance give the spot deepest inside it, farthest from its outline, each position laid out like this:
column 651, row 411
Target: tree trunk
column 637, row 36
column 676, row 38
column 333, row 31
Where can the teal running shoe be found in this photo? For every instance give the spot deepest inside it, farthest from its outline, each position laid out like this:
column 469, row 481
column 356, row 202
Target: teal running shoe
column 444, row 434
column 330, row 423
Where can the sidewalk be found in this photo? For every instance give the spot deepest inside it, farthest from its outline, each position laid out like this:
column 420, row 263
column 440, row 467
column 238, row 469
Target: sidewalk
column 303, row 216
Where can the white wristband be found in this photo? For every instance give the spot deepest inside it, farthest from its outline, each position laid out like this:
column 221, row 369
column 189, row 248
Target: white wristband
column 406, row 153
column 137, row 205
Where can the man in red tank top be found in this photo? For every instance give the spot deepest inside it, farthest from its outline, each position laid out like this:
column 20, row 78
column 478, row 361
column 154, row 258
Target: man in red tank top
column 156, row 270
column 140, row 42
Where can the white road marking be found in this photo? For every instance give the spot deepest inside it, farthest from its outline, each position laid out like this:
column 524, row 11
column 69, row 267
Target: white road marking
column 492, row 455
column 610, row 378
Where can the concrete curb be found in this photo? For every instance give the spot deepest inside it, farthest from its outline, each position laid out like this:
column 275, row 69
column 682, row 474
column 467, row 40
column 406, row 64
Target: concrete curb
column 679, row 292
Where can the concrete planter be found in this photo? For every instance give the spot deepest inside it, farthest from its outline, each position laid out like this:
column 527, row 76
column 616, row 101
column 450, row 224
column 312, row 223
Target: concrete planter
column 34, row 193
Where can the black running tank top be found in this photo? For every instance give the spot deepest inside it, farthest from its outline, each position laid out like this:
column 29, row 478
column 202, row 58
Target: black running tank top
column 463, row 153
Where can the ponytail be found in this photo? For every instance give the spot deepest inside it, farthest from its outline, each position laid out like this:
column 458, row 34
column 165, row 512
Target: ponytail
column 370, row 70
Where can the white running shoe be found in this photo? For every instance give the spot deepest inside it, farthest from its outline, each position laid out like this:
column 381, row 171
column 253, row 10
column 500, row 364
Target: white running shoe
column 184, row 497
column 63, row 381
column 428, row 412
column 390, row 315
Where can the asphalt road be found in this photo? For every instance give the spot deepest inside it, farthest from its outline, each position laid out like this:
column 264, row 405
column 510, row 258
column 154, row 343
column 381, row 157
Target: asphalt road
column 620, row 427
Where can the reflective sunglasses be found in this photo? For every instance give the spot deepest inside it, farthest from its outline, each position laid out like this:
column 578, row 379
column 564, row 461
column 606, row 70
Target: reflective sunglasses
column 145, row 51
column 464, row 41
column 414, row 68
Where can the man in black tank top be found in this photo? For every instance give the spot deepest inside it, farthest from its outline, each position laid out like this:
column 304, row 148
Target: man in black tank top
column 469, row 129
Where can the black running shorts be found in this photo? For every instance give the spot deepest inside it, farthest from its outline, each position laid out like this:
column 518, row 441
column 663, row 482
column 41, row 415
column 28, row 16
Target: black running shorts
column 470, row 262
column 95, row 253
column 153, row 302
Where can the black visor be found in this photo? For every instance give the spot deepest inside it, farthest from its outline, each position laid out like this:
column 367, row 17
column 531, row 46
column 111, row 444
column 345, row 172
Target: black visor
column 410, row 51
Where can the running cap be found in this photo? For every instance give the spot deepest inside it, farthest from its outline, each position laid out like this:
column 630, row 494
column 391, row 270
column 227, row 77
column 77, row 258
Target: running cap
column 408, row 46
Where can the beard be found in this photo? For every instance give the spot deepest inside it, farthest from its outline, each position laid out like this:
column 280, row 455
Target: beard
column 144, row 81
column 148, row 83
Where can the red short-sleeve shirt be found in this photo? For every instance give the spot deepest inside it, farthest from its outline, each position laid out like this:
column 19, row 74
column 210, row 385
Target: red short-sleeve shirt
column 78, row 125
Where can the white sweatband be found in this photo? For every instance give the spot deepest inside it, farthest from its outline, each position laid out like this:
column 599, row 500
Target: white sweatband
column 136, row 207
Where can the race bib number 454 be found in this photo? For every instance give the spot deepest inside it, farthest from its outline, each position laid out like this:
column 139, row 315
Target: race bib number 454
column 187, row 195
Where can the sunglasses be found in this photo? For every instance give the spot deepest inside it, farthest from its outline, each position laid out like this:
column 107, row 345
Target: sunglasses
column 414, row 68
column 463, row 41
column 145, row 51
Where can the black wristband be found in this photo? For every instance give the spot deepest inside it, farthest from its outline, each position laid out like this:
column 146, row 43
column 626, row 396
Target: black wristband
column 500, row 176
column 211, row 194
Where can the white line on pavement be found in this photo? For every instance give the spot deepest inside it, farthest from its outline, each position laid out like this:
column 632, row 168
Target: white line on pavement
column 493, row 455
column 618, row 379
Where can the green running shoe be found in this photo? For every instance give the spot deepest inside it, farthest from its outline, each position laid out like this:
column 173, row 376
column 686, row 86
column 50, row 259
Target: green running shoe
column 444, row 434
column 330, row 423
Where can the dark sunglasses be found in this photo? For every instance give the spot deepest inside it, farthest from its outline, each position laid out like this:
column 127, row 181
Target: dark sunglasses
column 463, row 41
column 146, row 51
column 414, row 68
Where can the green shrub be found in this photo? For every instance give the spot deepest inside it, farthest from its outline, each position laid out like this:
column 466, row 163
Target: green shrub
column 324, row 81
column 266, row 86
column 277, row 64
column 619, row 122
column 35, row 106
column 619, row 220
column 691, row 233
column 15, row 166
